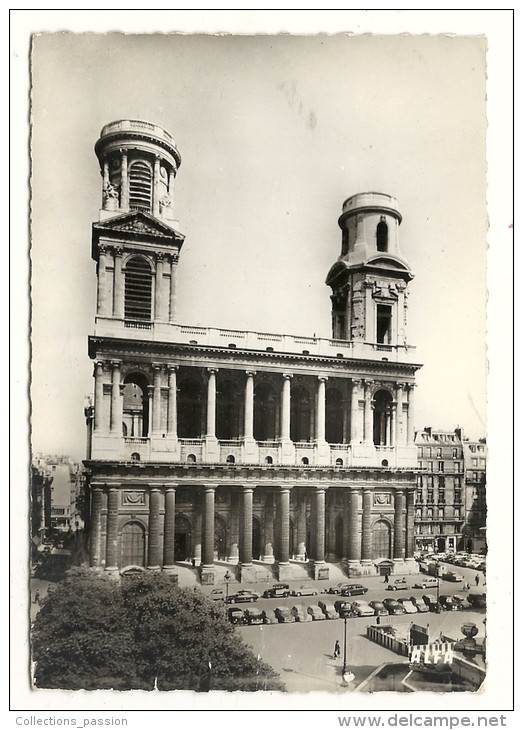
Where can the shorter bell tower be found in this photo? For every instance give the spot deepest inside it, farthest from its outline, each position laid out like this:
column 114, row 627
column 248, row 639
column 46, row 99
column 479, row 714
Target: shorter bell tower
column 369, row 280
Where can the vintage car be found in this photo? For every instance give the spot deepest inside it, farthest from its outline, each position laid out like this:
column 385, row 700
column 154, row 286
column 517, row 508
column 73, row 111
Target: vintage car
column 316, row 613
column 305, row 590
column 400, row 584
column 354, row 589
column 393, row 607
column 236, row 616
column 284, row 615
column 253, row 616
column 279, row 590
column 426, row 582
column 362, row 608
column 420, row 604
column 408, row 605
column 300, row 613
column 379, row 608
column 477, row 600
column 217, row 595
column 448, row 603
column 243, row 597
column 344, row 608
column 328, row 609
column 269, row 617
column 432, row 602
column 336, row 590
column 453, row 577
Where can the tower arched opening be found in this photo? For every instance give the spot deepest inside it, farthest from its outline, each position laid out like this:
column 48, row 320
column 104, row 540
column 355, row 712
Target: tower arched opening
column 138, row 289
column 228, row 403
column 265, row 412
column 190, row 399
column 334, row 416
column 135, row 406
column 382, row 236
column 140, row 185
column 382, row 418
column 300, row 413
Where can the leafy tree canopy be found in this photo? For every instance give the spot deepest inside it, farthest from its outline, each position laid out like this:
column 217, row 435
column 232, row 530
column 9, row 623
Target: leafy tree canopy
column 93, row 632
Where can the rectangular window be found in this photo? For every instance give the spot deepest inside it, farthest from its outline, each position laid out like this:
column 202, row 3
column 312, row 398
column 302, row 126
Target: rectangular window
column 457, row 466
column 430, row 496
column 441, row 513
column 441, row 496
column 454, row 453
column 420, row 452
column 457, row 496
column 384, row 324
column 428, row 452
column 431, row 466
column 438, row 453
column 430, row 482
column 457, row 513
column 430, row 514
column 441, row 466
column 475, row 463
column 418, row 514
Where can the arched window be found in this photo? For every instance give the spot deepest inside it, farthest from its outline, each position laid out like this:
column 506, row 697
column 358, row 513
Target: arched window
column 382, row 236
column 190, row 409
column 339, row 462
column 333, row 416
column 268, row 460
column 136, row 405
column 138, row 289
column 265, row 412
column 305, row 461
column 132, row 545
column 300, row 414
column 230, row 459
column 191, row 459
column 382, row 417
column 228, row 401
column 140, row 186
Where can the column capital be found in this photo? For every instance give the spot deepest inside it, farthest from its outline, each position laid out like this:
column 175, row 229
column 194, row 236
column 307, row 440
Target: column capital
column 285, row 488
column 250, row 373
column 123, row 150
column 207, row 488
column 157, row 367
column 212, row 371
column 170, row 488
column 117, row 250
column 116, row 364
column 172, row 368
column 287, row 376
column 102, row 249
column 247, row 488
column 154, row 489
column 322, row 378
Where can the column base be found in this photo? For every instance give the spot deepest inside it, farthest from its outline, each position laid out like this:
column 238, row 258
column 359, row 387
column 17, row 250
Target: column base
column 207, row 575
column 169, row 569
column 113, row 572
column 155, row 568
column 353, row 568
column 268, row 559
column 247, row 574
column 321, row 571
column 285, row 572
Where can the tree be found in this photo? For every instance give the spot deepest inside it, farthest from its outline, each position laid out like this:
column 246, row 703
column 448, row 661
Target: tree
column 143, row 632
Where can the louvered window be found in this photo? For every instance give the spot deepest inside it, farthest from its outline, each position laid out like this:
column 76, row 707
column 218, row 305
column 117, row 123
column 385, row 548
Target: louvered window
column 140, row 186
column 138, row 289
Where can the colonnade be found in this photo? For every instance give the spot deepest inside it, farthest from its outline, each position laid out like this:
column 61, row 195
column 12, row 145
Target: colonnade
column 358, row 516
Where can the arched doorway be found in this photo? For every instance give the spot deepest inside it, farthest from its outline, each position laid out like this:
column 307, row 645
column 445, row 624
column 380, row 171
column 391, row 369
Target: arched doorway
column 338, row 546
column 182, row 538
column 381, row 540
column 132, row 551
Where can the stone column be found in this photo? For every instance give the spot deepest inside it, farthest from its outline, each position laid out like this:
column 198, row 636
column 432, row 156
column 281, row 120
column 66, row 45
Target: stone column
column 154, row 559
column 249, row 407
column 355, row 539
column 158, row 289
column 399, row 525
column 366, row 537
column 208, row 529
column 172, row 297
column 355, row 417
column 285, row 430
column 101, row 303
column 319, row 526
column 211, row 403
column 116, row 399
column 409, row 533
column 246, row 527
column 124, row 187
column 118, row 303
column 99, row 420
column 268, row 530
column 368, row 413
column 410, row 415
column 346, row 523
column 392, row 425
column 96, row 527
column 111, row 557
column 157, row 399
column 172, row 418
column 168, row 537
column 320, row 410
column 234, row 528
column 301, row 527
column 105, row 184
column 284, row 525
column 156, row 187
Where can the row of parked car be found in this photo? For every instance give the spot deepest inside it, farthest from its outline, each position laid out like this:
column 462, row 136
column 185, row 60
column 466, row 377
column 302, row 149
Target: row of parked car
column 460, row 559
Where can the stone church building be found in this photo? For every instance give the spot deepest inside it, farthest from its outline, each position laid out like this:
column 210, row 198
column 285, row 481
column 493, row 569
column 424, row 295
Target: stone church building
column 247, row 449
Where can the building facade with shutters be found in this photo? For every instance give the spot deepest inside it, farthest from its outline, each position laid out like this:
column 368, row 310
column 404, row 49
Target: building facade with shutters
column 254, row 450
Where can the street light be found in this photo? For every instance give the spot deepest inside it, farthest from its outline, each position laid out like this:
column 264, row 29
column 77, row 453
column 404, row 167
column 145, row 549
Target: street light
column 227, row 577
column 346, row 676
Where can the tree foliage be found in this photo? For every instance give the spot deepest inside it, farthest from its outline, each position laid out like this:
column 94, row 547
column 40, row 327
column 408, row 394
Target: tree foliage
column 93, row 632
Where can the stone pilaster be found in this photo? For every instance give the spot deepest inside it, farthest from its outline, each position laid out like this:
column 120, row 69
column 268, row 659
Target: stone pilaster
column 368, row 413
column 173, row 288
column 101, row 303
column 111, row 556
column 284, row 568
column 169, row 532
column 158, row 295
column 156, row 187
column 157, row 399
column 124, row 192
column 301, row 526
column 355, row 540
column 268, row 540
column 207, row 569
column 116, row 399
column 399, row 525
column 154, row 558
column 99, row 416
column 96, row 527
column 355, row 419
column 366, row 537
column 409, row 533
column 172, row 417
column 246, row 527
column 118, row 297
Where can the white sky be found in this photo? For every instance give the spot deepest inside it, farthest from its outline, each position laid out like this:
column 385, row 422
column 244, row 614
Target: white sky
column 272, row 143
column 274, row 132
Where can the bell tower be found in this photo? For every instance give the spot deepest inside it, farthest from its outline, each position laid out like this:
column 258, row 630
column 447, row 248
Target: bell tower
column 369, row 280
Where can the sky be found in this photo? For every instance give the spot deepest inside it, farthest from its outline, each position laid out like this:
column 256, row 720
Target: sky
column 275, row 133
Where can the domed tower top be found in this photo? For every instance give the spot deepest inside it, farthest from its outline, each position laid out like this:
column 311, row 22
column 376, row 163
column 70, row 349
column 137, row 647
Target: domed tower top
column 138, row 162
column 369, row 224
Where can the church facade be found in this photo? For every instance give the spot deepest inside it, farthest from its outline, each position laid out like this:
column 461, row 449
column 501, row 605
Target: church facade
column 253, row 450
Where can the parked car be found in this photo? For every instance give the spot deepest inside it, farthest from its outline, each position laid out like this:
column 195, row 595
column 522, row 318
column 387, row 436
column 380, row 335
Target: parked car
column 306, row 590
column 420, row 604
column 235, row 616
column 316, row 613
column 336, row 590
column 253, row 616
column 284, row 615
column 362, row 608
column 426, row 582
column 300, row 613
column 243, row 597
column 344, row 609
column 393, row 607
column 278, row 590
column 432, row 602
column 379, row 608
column 477, row 600
column 217, row 595
column 328, row 609
column 269, row 617
column 354, row 589
column 448, row 603
column 400, row 584
column 453, row 577
column 408, row 605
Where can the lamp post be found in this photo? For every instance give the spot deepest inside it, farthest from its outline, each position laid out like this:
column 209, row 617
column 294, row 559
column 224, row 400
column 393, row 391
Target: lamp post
column 227, row 577
column 437, row 594
column 346, row 676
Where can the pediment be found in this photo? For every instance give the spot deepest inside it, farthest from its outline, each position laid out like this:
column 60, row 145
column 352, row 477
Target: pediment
column 136, row 222
column 387, row 262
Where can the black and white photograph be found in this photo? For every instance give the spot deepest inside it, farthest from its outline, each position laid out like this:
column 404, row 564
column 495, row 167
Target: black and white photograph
column 259, row 428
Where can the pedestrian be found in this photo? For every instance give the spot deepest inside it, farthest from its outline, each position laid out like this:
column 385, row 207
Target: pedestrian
column 37, row 597
column 477, row 580
column 386, row 579
column 337, row 649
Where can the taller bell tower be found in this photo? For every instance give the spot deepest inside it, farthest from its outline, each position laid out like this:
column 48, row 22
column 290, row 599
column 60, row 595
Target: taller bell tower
column 369, row 280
